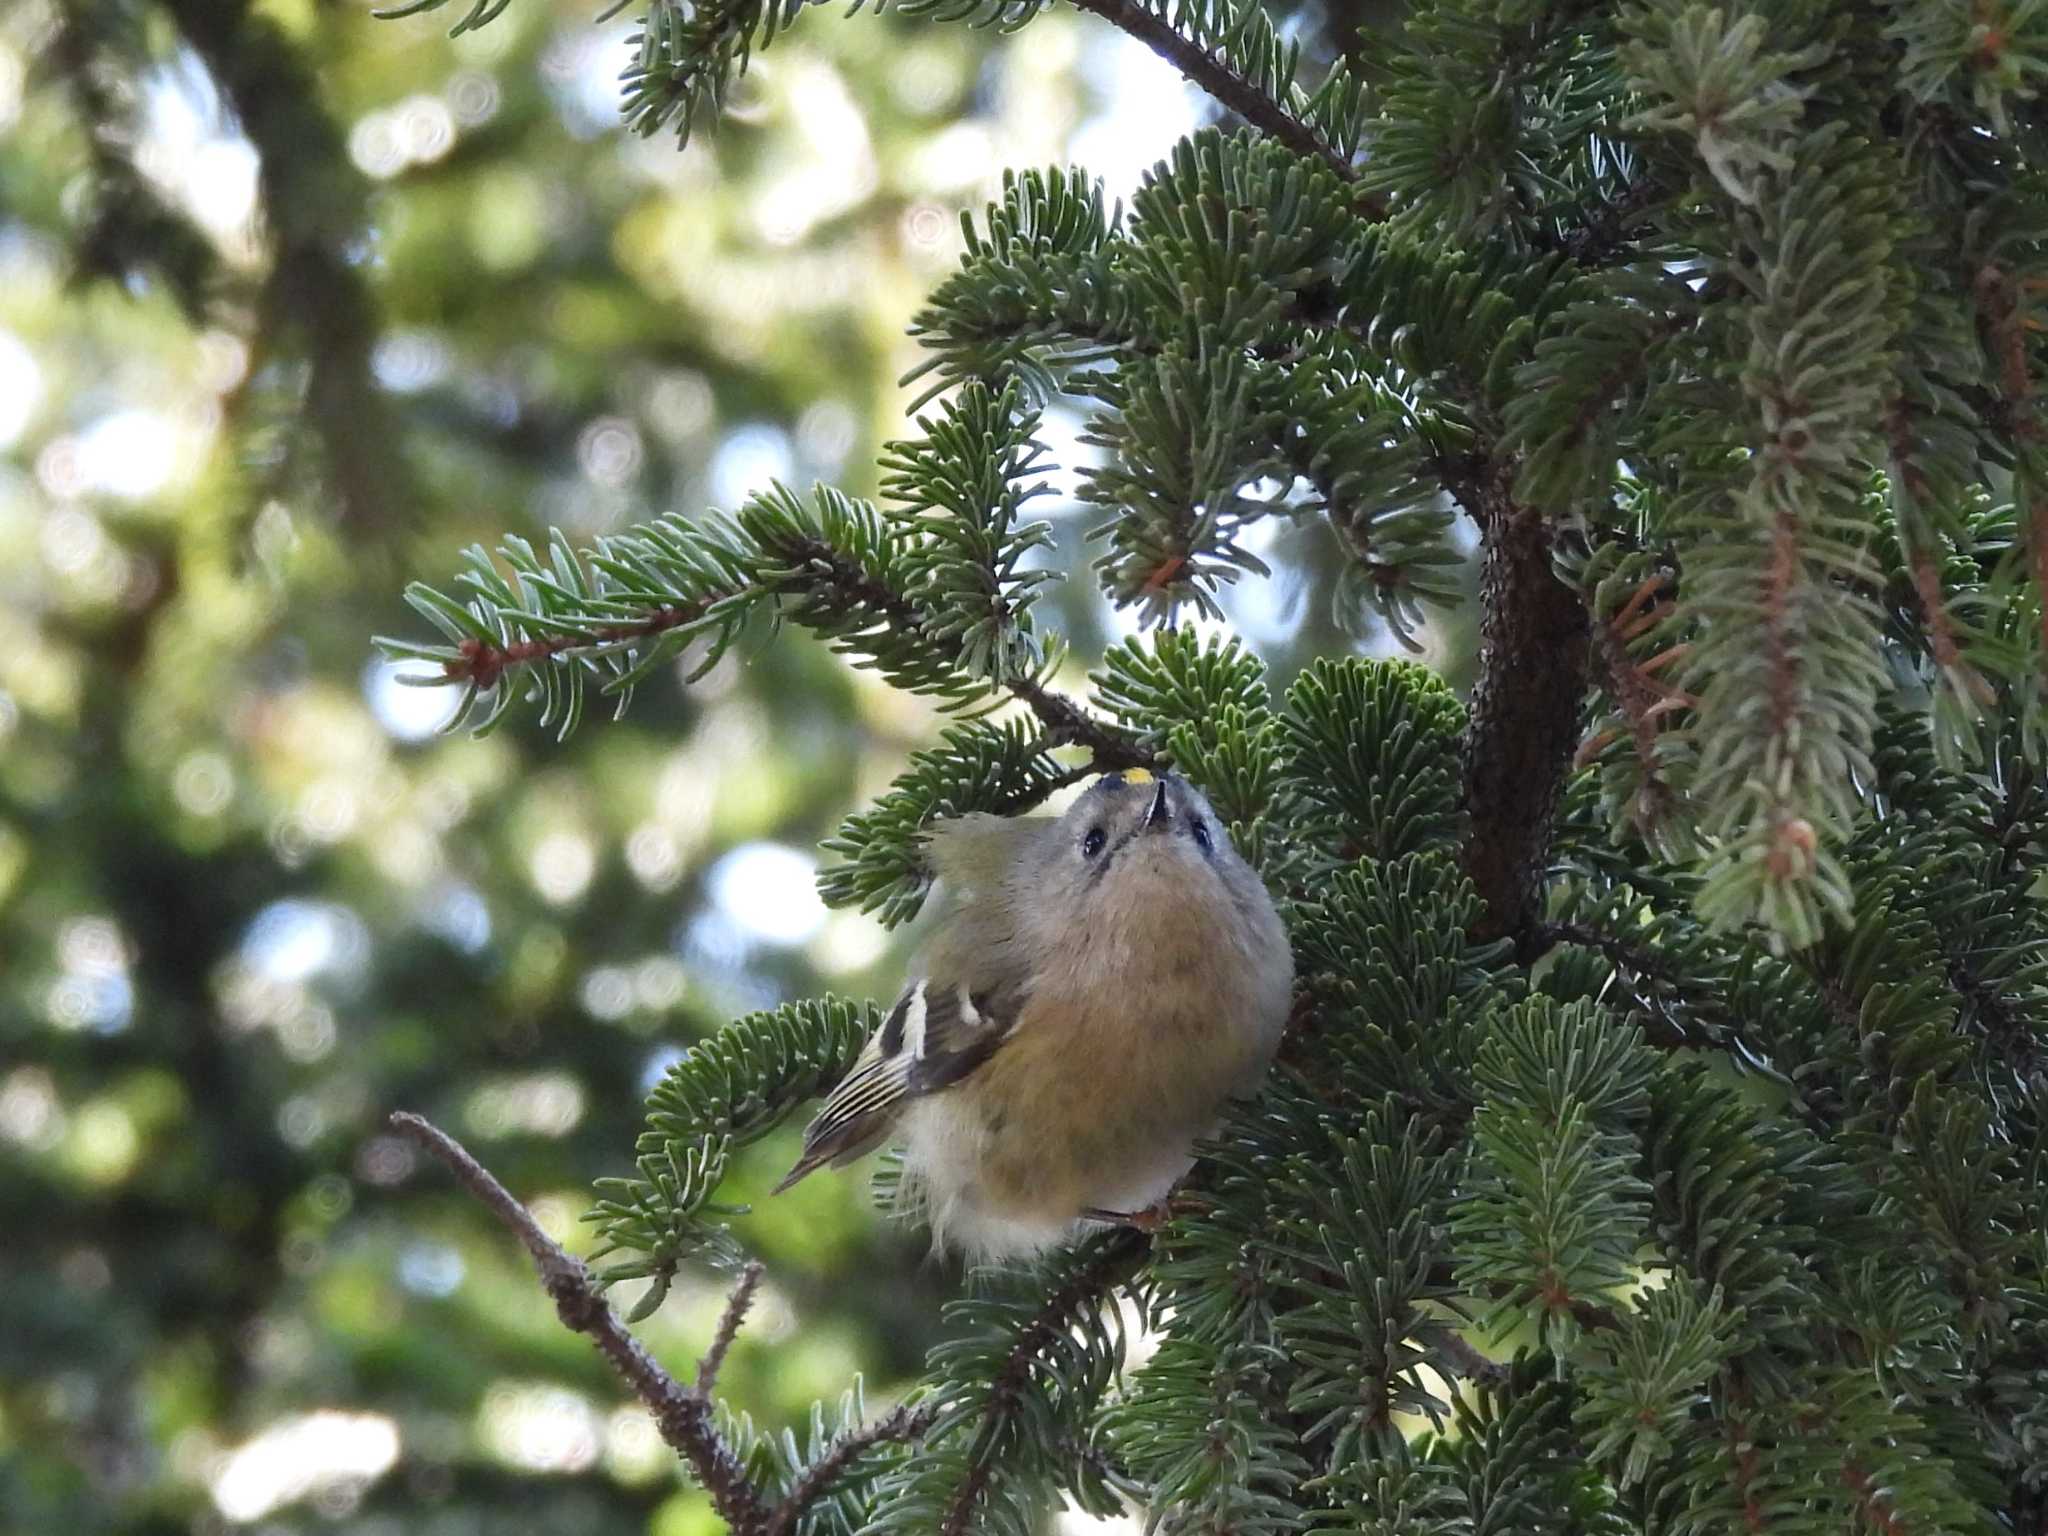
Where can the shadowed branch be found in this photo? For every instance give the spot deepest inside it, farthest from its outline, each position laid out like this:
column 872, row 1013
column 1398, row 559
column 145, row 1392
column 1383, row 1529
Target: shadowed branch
column 682, row 1413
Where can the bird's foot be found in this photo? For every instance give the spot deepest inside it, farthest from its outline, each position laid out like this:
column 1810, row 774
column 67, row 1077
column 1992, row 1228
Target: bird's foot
column 1149, row 1220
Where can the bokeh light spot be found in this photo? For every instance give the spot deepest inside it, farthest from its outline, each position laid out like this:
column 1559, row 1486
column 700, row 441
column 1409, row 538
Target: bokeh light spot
column 769, row 892
column 202, row 783
column 21, row 388
column 540, row 1427
column 562, row 866
column 747, row 460
column 408, row 711
column 302, row 1456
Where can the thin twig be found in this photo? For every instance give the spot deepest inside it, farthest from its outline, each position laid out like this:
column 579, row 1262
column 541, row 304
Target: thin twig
column 901, row 1423
column 1229, row 87
column 682, row 1413
column 485, row 663
column 729, row 1321
column 1473, row 1365
column 2001, row 309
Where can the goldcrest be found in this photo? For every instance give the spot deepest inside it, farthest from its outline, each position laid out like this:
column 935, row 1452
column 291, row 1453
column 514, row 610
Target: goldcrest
column 1095, row 988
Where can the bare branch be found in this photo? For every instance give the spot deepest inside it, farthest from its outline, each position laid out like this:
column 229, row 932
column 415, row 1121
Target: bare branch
column 728, row 1325
column 1471, row 1364
column 681, row 1413
column 1228, row 87
column 1067, row 724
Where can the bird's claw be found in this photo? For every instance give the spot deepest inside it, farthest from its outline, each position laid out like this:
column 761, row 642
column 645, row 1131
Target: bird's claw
column 1149, row 1220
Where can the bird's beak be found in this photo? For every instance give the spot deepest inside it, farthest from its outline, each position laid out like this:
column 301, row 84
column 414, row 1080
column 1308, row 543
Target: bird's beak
column 1161, row 814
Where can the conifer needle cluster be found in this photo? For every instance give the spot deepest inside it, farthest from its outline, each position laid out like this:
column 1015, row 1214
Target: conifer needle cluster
column 1660, row 1142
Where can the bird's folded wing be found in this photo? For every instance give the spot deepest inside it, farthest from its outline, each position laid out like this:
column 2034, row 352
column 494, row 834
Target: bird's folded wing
column 934, row 1036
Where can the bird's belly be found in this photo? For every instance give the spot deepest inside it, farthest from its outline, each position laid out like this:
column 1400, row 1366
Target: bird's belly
column 1073, row 1114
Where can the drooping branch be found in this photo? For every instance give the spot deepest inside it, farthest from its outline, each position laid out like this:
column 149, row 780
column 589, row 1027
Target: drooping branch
column 682, row 1413
column 1638, row 695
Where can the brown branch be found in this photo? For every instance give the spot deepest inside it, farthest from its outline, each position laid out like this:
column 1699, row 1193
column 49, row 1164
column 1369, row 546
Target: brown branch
column 1534, row 660
column 901, row 1423
column 681, row 1413
column 1473, row 1365
column 1742, row 1453
column 1911, row 480
column 729, row 1321
column 1229, row 87
column 484, row 664
column 1641, row 699
column 1941, row 630
column 1068, row 724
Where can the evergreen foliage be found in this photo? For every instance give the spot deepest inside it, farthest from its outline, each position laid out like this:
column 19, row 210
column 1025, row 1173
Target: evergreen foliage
column 1719, row 323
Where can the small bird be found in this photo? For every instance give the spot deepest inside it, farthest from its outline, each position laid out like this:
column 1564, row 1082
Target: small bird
column 1096, row 988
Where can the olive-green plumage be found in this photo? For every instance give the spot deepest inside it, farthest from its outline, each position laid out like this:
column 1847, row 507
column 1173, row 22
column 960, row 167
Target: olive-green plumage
column 1096, row 987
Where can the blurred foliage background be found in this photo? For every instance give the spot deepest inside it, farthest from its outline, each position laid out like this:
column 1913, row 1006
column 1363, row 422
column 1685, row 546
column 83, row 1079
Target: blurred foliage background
column 295, row 303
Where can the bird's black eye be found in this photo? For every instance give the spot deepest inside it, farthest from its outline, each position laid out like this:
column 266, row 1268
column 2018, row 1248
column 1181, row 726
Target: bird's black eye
column 1091, row 845
column 1199, row 829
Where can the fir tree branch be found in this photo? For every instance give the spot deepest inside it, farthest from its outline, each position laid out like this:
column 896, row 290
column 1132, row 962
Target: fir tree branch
column 1066, row 723
column 1055, row 1316
column 769, row 562
column 486, row 664
column 1229, row 87
column 902, row 1423
column 1640, row 698
column 682, row 1413
column 1871, row 1500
